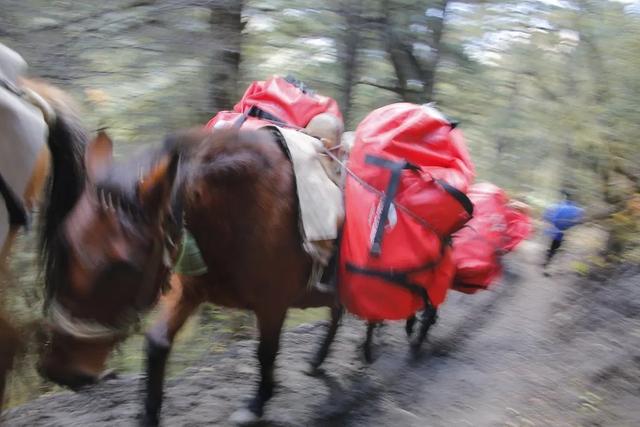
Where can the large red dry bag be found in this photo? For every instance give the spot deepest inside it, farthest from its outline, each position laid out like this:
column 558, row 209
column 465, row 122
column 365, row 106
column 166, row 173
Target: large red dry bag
column 404, row 196
column 285, row 101
column 519, row 225
column 495, row 229
column 280, row 101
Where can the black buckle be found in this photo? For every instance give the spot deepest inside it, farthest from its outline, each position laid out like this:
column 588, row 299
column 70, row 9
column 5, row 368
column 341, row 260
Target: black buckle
column 392, row 188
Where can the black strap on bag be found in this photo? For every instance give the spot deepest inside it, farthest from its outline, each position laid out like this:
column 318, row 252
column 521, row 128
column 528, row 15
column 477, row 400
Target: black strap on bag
column 392, row 188
column 17, row 212
column 462, row 198
column 400, row 279
column 259, row 113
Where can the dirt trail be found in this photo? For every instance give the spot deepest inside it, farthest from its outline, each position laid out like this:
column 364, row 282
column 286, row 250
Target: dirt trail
column 535, row 351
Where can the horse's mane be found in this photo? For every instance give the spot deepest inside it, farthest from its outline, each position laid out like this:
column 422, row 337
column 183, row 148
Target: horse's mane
column 67, row 140
column 120, row 183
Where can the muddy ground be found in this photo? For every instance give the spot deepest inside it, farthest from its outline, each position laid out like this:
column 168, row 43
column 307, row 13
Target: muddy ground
column 536, row 351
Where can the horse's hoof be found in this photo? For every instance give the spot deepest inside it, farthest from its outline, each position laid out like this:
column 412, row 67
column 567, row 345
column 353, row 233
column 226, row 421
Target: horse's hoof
column 149, row 421
column 368, row 355
column 243, row 417
column 409, row 326
column 416, row 348
column 313, row 371
column 415, row 352
column 109, row 374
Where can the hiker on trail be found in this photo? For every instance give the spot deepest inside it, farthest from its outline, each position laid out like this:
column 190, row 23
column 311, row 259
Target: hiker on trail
column 561, row 217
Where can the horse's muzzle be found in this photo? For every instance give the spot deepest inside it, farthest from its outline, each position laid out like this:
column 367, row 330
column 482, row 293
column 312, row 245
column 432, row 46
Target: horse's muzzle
column 66, row 378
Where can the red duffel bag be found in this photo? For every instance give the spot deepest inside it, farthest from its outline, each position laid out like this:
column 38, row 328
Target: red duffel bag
column 286, row 101
column 404, row 197
column 279, row 101
column 495, row 229
column 519, row 225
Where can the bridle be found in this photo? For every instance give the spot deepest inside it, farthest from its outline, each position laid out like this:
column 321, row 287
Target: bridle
column 59, row 318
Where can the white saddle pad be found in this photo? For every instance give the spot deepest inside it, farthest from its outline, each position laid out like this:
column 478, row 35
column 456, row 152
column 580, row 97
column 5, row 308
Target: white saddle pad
column 320, row 199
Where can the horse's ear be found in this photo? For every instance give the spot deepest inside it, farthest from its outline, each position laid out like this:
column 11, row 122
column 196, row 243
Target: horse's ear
column 154, row 189
column 98, row 156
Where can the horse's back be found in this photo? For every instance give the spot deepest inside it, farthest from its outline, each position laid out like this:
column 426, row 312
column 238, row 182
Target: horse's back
column 243, row 212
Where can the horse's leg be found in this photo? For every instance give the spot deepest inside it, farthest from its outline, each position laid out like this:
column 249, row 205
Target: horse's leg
column 9, row 340
column 368, row 354
column 8, row 347
column 4, row 268
column 176, row 310
column 270, row 326
column 408, row 327
column 429, row 316
column 336, row 314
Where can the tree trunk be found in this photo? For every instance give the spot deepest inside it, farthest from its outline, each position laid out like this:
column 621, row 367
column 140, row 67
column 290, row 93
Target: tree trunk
column 416, row 78
column 436, row 24
column 348, row 56
column 226, row 43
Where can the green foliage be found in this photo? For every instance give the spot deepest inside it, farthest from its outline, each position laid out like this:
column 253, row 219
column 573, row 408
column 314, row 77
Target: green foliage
column 582, row 268
column 553, row 100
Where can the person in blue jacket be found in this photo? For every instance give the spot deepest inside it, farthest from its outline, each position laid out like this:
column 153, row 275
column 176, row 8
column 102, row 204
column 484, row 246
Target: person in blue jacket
column 561, row 216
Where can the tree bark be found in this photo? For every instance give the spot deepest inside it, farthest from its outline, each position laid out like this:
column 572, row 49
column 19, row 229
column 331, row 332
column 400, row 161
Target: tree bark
column 348, row 57
column 226, row 45
column 416, row 78
column 436, row 25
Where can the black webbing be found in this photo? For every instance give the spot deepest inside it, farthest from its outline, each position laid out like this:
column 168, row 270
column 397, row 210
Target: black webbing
column 458, row 195
column 259, row 113
column 17, row 212
column 399, row 279
column 392, row 188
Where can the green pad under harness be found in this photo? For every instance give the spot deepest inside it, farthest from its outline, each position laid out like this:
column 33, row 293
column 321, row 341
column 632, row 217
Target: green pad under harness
column 189, row 262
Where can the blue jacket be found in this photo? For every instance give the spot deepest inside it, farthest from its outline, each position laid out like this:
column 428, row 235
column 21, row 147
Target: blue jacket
column 562, row 216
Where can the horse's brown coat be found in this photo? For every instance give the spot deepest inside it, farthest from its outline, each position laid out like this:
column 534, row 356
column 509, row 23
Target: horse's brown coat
column 241, row 207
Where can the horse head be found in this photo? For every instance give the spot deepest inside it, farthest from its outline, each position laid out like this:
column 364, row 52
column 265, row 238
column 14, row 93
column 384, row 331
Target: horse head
column 110, row 261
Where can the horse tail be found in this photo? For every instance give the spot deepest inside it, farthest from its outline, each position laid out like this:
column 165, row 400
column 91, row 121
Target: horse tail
column 66, row 141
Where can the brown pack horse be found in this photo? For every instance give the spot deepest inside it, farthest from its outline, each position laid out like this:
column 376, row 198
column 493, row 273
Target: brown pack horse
column 234, row 191
column 65, row 144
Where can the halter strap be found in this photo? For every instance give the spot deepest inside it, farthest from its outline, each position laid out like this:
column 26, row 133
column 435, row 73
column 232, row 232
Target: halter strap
column 61, row 320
